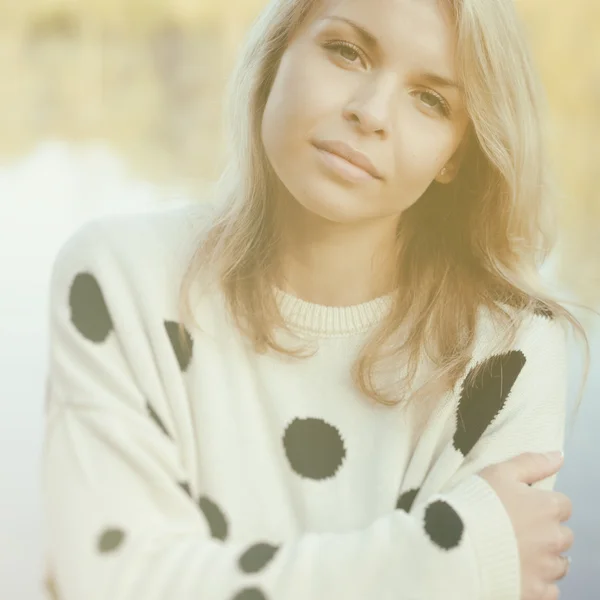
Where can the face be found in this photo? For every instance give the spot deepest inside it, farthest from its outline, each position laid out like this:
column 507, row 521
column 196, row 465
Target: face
column 365, row 76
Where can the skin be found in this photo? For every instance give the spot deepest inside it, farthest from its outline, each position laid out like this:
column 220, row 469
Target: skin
column 339, row 235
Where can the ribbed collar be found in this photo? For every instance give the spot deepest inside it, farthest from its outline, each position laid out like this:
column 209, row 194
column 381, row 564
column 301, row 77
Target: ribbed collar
column 331, row 321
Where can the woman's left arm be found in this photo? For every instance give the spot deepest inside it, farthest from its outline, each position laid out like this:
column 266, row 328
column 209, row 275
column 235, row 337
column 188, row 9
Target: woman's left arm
column 518, row 404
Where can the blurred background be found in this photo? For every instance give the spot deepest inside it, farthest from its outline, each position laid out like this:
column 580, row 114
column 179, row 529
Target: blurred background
column 115, row 106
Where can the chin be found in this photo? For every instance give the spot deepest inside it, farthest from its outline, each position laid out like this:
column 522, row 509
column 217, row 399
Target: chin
column 334, row 205
column 329, row 199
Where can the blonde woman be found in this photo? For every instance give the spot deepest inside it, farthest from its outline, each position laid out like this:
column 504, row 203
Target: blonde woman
column 339, row 379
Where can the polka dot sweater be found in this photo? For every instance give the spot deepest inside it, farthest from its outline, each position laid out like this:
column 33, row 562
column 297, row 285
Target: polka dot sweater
column 192, row 468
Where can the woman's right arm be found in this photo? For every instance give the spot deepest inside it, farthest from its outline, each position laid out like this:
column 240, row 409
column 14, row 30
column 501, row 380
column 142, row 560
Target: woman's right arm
column 121, row 526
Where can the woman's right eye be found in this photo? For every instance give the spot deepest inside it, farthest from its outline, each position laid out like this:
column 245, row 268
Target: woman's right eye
column 348, row 51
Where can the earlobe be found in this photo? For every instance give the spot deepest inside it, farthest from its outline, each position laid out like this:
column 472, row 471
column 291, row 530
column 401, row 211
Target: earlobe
column 450, row 169
column 446, row 175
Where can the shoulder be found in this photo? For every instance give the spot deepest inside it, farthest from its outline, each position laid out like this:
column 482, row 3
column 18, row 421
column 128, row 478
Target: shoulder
column 539, row 335
column 118, row 264
column 141, row 244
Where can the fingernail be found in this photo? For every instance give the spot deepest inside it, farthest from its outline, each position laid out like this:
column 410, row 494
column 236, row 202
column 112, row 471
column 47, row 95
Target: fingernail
column 556, row 455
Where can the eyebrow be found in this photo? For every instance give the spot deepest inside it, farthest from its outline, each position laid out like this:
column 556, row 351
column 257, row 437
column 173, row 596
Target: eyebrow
column 371, row 41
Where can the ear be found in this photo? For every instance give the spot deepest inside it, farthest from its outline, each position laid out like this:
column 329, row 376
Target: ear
column 451, row 168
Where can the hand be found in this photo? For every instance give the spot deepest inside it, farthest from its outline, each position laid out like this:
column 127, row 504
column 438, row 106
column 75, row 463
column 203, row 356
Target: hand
column 536, row 516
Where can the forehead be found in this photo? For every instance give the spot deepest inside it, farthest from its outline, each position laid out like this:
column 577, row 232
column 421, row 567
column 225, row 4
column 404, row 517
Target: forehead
column 422, row 29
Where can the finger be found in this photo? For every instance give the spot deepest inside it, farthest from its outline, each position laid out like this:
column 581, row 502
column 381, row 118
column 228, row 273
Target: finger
column 567, row 538
column 530, row 467
column 561, row 567
column 564, row 506
column 551, row 593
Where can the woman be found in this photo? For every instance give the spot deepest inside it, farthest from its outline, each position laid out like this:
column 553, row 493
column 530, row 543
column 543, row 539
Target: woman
column 335, row 380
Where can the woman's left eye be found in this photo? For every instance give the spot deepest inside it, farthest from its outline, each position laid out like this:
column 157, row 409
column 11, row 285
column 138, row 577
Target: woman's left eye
column 443, row 105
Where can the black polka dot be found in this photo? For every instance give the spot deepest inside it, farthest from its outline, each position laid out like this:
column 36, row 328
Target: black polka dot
column 250, row 594
column 257, row 557
column 156, row 419
column 89, row 313
column 185, row 486
column 315, row 449
column 215, row 518
column 482, row 400
column 183, row 348
column 543, row 310
column 405, row 501
column 443, row 525
column 110, row 540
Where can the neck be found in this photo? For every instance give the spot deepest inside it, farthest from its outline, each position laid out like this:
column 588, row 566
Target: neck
column 337, row 264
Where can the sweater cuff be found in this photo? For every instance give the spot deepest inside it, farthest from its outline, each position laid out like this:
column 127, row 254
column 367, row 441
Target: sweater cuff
column 489, row 527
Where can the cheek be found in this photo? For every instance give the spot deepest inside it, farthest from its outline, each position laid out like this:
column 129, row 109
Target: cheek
column 422, row 148
column 418, row 157
column 302, row 93
column 275, row 128
column 284, row 121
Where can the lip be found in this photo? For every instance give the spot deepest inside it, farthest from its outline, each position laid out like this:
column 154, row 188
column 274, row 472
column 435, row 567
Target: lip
column 353, row 156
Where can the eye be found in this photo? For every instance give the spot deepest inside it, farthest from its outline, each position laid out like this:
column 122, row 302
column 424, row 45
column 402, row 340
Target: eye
column 444, row 107
column 348, row 51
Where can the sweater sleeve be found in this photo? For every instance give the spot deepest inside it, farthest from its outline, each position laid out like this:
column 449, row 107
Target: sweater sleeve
column 120, row 522
column 516, row 405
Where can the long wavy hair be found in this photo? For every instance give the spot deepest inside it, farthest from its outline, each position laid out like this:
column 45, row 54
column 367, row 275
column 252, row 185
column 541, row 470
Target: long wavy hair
column 476, row 243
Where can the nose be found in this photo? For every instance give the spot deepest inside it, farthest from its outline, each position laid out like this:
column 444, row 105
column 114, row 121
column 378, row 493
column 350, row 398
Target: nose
column 370, row 108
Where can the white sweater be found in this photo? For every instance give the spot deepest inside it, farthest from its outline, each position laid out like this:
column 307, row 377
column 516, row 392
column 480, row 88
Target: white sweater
column 220, row 474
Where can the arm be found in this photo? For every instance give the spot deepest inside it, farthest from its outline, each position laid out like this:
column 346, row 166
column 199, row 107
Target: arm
column 527, row 388
column 517, row 405
column 120, row 521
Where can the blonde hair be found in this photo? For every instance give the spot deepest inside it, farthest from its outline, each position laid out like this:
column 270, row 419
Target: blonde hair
column 475, row 243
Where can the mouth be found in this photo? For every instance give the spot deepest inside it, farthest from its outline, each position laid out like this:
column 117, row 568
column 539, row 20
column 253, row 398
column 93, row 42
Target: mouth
column 347, row 162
